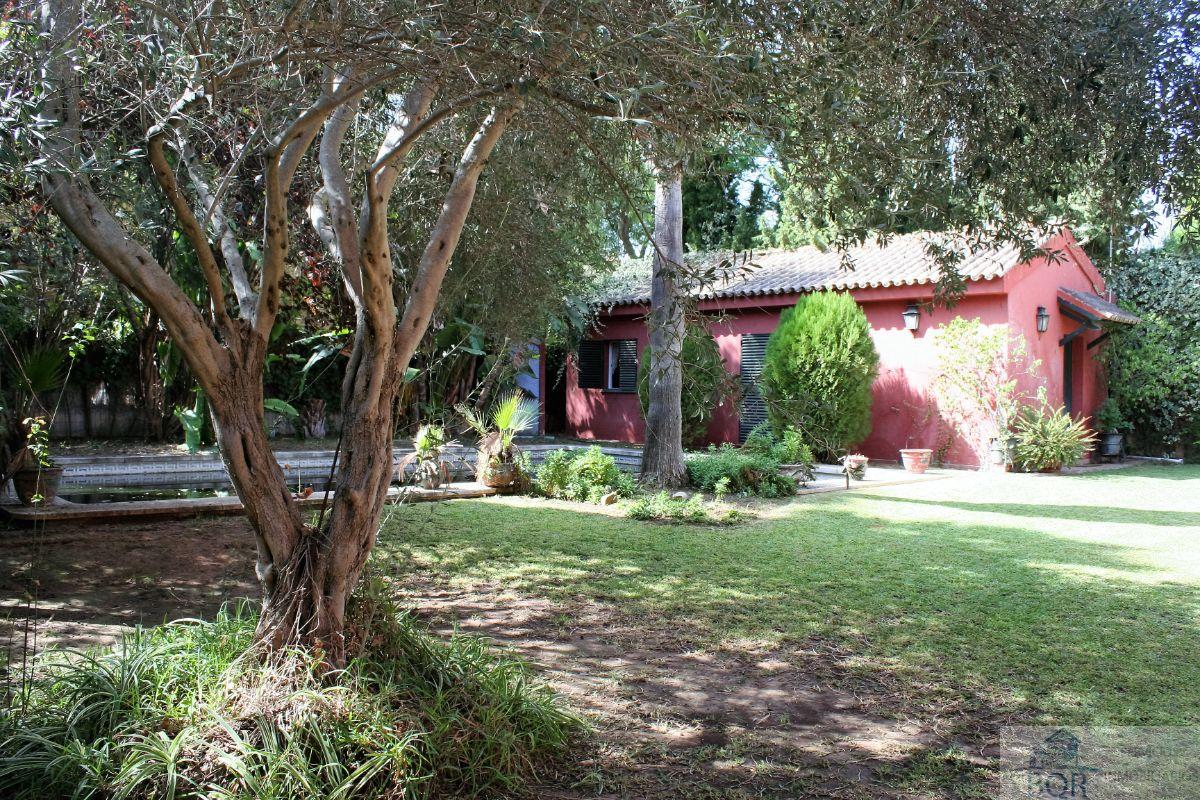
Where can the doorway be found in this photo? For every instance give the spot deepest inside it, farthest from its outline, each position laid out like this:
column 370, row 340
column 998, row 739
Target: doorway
column 556, row 392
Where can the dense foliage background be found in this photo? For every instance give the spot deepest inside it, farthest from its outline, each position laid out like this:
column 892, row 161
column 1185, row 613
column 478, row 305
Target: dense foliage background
column 1154, row 368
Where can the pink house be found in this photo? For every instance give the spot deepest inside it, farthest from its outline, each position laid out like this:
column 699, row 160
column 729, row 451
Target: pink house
column 596, row 396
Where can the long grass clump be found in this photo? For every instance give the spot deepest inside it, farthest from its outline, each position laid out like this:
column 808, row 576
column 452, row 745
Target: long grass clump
column 187, row 710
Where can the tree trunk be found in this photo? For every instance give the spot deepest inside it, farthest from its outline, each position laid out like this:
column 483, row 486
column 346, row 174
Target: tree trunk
column 236, row 408
column 662, row 458
column 151, row 391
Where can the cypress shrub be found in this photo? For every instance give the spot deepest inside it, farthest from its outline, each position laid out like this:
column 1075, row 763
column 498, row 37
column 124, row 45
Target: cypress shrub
column 818, row 370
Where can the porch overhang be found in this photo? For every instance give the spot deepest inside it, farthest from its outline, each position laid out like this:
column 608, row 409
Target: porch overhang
column 1092, row 312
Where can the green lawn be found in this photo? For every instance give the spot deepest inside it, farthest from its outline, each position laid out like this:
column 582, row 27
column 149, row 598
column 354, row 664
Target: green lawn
column 1070, row 599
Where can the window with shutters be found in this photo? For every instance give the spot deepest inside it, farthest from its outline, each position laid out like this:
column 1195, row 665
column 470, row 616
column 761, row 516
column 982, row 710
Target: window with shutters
column 608, row 364
column 753, row 411
column 591, row 365
column 622, row 365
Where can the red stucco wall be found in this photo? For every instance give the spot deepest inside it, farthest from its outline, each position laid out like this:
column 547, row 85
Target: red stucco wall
column 1036, row 284
column 903, row 412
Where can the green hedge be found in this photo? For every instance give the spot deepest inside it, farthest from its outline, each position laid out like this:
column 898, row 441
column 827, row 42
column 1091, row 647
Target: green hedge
column 585, row 475
column 728, row 469
column 1154, row 368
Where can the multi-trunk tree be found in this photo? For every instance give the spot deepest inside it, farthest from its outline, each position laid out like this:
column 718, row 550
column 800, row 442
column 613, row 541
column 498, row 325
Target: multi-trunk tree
column 259, row 120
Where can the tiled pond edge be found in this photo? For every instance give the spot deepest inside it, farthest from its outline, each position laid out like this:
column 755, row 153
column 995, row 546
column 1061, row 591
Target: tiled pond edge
column 298, row 465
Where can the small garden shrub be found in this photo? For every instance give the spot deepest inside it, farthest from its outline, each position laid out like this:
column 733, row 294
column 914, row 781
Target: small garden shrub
column 181, row 711
column 788, row 448
column 1049, row 438
column 585, row 475
column 661, row 507
column 818, row 370
column 738, row 471
column 760, row 440
column 707, row 383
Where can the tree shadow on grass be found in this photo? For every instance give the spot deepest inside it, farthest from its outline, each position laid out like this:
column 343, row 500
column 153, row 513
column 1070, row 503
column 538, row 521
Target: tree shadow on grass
column 798, row 657
column 1111, row 514
column 1063, row 630
column 81, row 586
column 671, row 716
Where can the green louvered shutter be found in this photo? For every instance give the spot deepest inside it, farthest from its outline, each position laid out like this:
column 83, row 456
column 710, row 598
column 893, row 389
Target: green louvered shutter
column 753, row 411
column 591, row 365
column 627, row 359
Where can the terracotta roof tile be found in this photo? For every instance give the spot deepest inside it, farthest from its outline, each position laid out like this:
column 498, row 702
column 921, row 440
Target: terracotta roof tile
column 1097, row 306
column 905, row 260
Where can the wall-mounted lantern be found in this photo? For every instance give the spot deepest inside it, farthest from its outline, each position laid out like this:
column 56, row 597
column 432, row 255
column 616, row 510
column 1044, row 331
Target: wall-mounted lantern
column 1043, row 319
column 912, row 317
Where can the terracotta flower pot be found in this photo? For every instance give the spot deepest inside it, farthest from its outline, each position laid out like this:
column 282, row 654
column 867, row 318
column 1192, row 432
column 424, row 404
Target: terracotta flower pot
column 916, row 459
column 38, row 482
column 499, row 476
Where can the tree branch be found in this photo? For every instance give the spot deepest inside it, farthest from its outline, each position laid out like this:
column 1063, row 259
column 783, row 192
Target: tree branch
column 282, row 162
column 218, row 224
column 194, row 232
column 338, row 227
column 423, row 294
column 393, row 152
column 89, row 219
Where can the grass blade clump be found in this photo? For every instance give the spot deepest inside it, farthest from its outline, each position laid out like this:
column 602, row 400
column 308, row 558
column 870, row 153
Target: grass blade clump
column 186, row 711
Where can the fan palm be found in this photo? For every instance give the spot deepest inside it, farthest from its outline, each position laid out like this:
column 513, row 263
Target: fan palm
column 510, row 415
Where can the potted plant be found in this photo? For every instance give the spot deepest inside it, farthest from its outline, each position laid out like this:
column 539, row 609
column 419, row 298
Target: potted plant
column 497, row 465
column 428, row 446
column 31, row 373
column 35, row 475
column 1111, row 424
column 1049, row 438
column 855, row 465
column 916, row 459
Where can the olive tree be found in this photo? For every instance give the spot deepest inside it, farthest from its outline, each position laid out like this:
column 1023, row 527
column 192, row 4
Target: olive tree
column 262, row 120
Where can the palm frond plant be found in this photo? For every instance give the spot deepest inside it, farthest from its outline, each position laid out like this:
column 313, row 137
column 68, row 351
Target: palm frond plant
column 24, row 449
column 11, row 276
column 41, row 369
column 1049, row 438
column 497, row 465
column 429, row 445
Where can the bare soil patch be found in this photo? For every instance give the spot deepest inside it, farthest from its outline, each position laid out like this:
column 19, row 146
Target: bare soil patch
column 676, row 719
column 81, row 585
